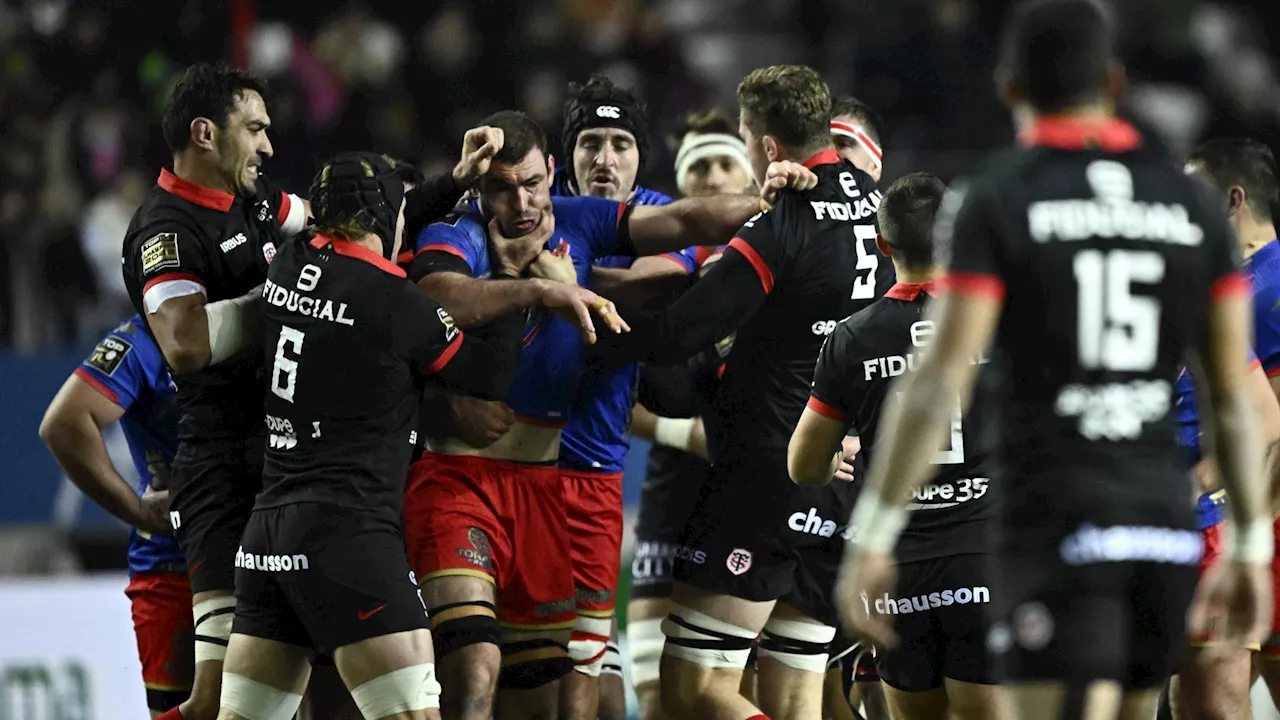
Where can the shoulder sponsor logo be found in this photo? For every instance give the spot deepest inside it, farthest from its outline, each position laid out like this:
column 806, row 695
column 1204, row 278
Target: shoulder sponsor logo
column 608, row 111
column 233, row 242
column 271, row 563
column 264, row 211
column 811, row 523
column 739, row 561
column 108, row 355
column 160, row 252
column 824, row 327
column 450, row 326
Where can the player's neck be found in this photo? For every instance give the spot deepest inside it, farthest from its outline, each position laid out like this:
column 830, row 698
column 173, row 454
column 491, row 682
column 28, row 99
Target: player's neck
column 802, row 155
column 915, row 276
column 370, row 242
column 1255, row 236
column 1092, row 113
column 189, row 168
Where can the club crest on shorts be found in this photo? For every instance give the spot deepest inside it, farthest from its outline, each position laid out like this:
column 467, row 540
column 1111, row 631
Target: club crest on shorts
column 739, row 561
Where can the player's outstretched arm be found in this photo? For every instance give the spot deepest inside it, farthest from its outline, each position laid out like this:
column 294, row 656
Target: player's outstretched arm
column 484, row 361
column 656, row 229
column 72, row 430
column 687, row 434
column 194, row 334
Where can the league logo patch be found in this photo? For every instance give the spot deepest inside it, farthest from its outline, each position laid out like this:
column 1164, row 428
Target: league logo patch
column 480, row 553
column 450, row 327
column 160, row 252
column 739, row 561
column 108, row 355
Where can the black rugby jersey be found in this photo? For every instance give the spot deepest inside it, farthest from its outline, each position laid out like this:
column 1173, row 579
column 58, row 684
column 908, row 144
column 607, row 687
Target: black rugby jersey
column 953, row 512
column 783, row 283
column 185, row 237
column 1105, row 257
column 346, row 338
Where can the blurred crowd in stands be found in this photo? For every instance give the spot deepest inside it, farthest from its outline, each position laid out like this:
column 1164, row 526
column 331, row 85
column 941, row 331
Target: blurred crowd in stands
column 82, row 84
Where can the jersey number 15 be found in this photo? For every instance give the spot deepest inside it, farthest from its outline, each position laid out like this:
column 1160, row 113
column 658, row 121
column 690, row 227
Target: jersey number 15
column 1117, row 330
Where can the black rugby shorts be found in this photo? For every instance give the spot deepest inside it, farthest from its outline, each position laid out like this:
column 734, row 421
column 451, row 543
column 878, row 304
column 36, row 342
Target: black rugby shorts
column 942, row 611
column 671, row 486
column 318, row 576
column 755, row 535
column 211, row 495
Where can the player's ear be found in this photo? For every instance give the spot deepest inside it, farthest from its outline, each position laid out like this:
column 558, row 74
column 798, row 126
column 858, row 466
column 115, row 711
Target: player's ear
column 551, row 165
column 770, row 148
column 1236, row 198
column 202, row 131
column 883, row 246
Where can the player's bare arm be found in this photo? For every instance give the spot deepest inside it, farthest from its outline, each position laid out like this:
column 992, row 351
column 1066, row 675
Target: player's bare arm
column 650, row 283
column 914, row 427
column 687, row 434
column 194, row 334
column 656, row 229
column 72, row 430
column 816, row 450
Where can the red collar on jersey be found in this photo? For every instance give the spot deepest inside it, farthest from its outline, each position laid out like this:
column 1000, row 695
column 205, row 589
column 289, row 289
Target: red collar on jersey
column 910, row 291
column 1064, row 133
column 359, row 252
column 193, row 193
column 825, row 157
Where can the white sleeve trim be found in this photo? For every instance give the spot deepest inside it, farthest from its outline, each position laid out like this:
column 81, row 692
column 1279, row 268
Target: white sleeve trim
column 155, row 295
column 297, row 217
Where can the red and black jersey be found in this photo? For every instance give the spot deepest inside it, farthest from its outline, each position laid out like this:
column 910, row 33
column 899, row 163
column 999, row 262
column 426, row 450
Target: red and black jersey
column 348, row 339
column 1105, row 258
column 953, row 511
column 783, row 283
column 186, row 239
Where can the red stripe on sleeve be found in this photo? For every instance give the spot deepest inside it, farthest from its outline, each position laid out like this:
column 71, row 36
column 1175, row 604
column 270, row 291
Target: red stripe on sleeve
column 167, row 277
column 107, row 392
column 824, row 409
column 990, row 286
column 1235, row 283
column 441, row 247
column 757, row 262
column 447, row 355
column 285, row 203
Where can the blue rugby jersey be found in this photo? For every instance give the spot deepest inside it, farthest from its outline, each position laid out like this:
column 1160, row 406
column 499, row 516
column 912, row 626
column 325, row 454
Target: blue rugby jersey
column 128, row 368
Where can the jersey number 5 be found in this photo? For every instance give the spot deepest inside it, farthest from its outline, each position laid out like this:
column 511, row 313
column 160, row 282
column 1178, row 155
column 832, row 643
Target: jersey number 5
column 864, row 282
column 284, row 372
column 1118, row 331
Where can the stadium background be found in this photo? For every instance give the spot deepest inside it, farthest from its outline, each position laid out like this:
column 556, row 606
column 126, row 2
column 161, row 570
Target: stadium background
column 82, row 85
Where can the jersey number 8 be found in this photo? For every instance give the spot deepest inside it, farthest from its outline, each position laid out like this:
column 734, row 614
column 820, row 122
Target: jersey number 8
column 1118, row 331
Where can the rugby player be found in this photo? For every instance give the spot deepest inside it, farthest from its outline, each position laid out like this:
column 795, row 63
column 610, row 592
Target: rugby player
column 606, row 135
column 944, row 561
column 1091, row 321
column 1213, row 682
column 125, row 380
column 856, row 130
column 1243, row 174
column 769, row 563
column 474, row 515
column 710, row 159
column 346, row 337
column 200, row 241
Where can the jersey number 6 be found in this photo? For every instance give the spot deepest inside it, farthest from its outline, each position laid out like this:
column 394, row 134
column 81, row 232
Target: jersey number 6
column 284, row 372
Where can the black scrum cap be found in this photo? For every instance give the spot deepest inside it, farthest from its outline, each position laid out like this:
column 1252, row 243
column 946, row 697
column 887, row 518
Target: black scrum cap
column 361, row 187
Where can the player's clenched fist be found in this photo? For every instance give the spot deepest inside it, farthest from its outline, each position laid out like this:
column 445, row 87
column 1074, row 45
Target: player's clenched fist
column 479, row 146
column 786, row 175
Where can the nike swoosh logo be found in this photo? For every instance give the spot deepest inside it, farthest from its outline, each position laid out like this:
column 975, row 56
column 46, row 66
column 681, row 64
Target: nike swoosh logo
column 366, row 614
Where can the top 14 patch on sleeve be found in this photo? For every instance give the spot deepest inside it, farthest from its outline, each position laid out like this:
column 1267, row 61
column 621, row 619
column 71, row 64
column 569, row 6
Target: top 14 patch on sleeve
column 108, row 355
column 450, row 326
column 160, row 252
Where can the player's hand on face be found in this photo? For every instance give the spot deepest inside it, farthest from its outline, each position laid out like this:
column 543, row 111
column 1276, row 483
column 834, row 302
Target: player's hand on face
column 849, row 448
column 1233, row 605
column 865, row 575
column 554, row 266
column 513, row 256
column 576, row 305
column 786, row 175
column 479, row 146
column 153, row 512
column 480, row 423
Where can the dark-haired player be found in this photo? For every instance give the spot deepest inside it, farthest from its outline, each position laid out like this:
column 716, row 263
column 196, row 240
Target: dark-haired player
column 759, row 554
column 480, row 517
column 856, row 130
column 1244, row 175
column 200, row 241
column 321, row 566
column 1096, row 271
column 942, row 604
column 125, row 380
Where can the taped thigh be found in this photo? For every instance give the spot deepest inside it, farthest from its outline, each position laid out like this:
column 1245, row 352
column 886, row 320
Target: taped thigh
column 533, row 658
column 796, row 644
column 589, row 642
column 253, row 700
column 644, row 645
column 213, row 619
column 703, row 640
column 410, row 689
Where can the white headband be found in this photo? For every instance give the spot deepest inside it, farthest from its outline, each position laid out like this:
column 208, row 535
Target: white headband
column 699, row 147
column 861, row 137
